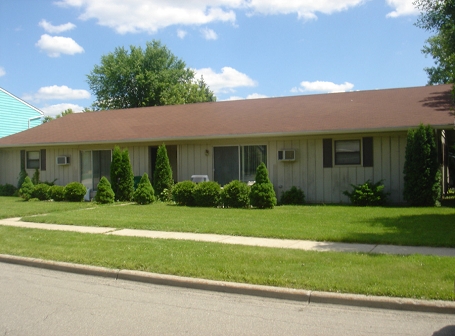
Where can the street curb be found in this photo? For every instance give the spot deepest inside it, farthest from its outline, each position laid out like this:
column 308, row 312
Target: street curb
column 306, row 296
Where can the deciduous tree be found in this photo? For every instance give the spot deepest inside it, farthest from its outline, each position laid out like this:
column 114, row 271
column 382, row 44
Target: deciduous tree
column 439, row 16
column 145, row 77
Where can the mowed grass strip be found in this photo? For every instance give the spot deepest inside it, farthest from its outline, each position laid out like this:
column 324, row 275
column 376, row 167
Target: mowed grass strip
column 421, row 277
column 16, row 207
column 372, row 225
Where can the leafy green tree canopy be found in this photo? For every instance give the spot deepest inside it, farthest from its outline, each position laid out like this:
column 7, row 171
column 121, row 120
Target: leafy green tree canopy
column 150, row 77
column 439, row 16
column 62, row 114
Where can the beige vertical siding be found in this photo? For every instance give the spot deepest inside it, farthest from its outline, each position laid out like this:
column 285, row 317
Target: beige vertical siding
column 326, row 185
column 320, row 185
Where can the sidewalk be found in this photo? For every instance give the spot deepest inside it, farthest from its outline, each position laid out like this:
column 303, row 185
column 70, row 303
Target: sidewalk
column 305, row 296
column 306, row 245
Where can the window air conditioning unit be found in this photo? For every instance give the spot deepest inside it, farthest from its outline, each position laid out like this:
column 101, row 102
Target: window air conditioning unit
column 286, row 155
column 63, row 160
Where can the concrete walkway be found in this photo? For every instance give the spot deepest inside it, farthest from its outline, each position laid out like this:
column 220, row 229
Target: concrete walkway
column 238, row 240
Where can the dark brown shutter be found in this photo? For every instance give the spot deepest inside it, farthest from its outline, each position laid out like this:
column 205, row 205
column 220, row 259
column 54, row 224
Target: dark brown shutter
column 327, row 153
column 22, row 159
column 368, row 152
column 43, row 159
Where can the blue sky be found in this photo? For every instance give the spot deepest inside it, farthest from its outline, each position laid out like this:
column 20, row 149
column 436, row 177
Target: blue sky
column 244, row 48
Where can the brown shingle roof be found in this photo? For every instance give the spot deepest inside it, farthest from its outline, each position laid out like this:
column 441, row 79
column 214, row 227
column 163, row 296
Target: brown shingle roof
column 361, row 111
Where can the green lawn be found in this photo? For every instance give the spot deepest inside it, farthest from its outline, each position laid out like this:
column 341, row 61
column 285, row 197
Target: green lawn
column 422, row 277
column 16, row 207
column 375, row 225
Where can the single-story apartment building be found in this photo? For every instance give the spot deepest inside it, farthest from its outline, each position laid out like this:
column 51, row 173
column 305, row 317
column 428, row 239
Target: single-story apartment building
column 320, row 143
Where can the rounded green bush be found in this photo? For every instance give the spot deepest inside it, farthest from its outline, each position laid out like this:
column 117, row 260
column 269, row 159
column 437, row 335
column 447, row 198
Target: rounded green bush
column 293, row 196
column 104, row 192
column 368, row 194
column 207, row 194
column 262, row 196
column 75, row 192
column 41, row 192
column 235, row 194
column 26, row 189
column 182, row 193
column 144, row 193
column 7, row 190
column 57, row 193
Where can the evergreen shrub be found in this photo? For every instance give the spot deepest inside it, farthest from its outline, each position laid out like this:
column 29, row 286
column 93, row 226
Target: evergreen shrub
column 235, row 194
column 104, row 192
column 57, row 193
column 262, row 194
column 26, row 189
column 22, row 175
column 41, row 192
column 121, row 173
column 368, row 194
column 422, row 176
column 182, row 193
column 35, row 177
column 75, row 192
column 207, row 194
column 7, row 190
column 293, row 196
column 162, row 175
column 144, row 193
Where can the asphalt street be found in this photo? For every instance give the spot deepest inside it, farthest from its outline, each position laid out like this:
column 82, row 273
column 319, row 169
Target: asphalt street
column 36, row 301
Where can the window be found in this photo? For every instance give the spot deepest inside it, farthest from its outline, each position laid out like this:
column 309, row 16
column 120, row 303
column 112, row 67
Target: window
column 347, row 152
column 237, row 162
column 94, row 165
column 33, row 160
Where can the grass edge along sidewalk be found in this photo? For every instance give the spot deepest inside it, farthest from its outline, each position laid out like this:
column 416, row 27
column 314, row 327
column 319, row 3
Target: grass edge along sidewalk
column 415, row 276
column 305, row 296
column 349, row 224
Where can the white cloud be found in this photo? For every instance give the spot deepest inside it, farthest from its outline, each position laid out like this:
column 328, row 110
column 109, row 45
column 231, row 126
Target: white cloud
column 225, row 81
column 56, row 45
column 251, row 96
column 135, row 16
column 402, row 7
column 181, row 33
column 305, row 9
column 209, row 34
column 2, row 72
column 53, row 110
column 321, row 86
column 55, row 92
column 48, row 27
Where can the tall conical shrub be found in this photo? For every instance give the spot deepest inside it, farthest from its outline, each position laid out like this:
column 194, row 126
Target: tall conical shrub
column 127, row 185
column 262, row 195
column 422, row 177
column 116, row 170
column 104, row 193
column 122, row 178
column 144, row 193
column 162, row 175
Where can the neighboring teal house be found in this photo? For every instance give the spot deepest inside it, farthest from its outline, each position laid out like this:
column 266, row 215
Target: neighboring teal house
column 16, row 115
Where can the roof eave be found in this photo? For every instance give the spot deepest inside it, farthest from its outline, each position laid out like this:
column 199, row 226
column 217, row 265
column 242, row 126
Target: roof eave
column 230, row 136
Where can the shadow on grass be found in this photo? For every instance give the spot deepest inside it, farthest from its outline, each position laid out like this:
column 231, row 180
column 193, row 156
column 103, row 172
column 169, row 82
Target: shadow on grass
column 436, row 230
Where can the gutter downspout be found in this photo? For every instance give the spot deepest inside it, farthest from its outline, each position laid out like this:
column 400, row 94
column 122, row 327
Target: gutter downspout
column 34, row 118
